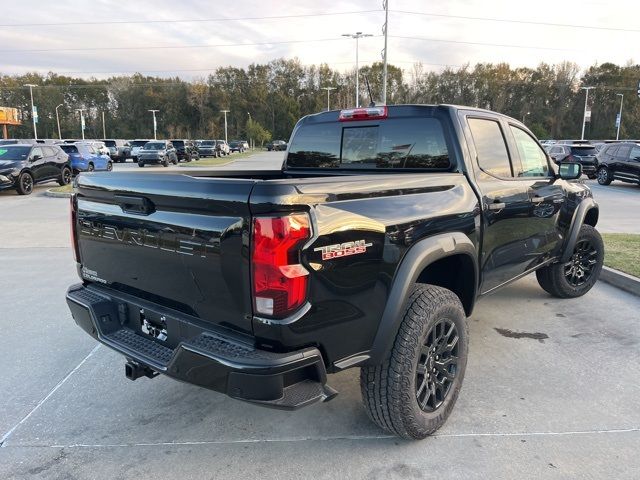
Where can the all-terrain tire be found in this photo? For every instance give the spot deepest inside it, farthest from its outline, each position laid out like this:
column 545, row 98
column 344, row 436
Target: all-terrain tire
column 553, row 278
column 389, row 390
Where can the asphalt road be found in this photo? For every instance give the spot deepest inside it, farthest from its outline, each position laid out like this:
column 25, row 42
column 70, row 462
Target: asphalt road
column 563, row 404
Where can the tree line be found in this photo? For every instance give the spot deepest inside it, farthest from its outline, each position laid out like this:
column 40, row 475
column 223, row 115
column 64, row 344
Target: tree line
column 266, row 100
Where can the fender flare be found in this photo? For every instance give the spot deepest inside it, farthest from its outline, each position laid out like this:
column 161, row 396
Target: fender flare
column 577, row 221
column 417, row 258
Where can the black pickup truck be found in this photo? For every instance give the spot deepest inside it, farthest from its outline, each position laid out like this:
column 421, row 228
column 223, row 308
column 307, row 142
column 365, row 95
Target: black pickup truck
column 367, row 249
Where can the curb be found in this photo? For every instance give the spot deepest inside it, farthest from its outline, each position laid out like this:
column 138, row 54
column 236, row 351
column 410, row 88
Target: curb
column 622, row 280
column 51, row 193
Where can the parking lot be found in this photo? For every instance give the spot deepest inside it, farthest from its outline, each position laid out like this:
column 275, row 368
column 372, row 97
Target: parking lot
column 551, row 389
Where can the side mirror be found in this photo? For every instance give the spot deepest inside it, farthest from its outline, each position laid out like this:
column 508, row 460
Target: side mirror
column 35, row 158
column 569, row 170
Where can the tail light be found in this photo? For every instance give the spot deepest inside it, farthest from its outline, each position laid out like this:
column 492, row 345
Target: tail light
column 73, row 215
column 279, row 281
column 369, row 113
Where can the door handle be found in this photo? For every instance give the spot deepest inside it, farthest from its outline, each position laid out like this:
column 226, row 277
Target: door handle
column 497, row 206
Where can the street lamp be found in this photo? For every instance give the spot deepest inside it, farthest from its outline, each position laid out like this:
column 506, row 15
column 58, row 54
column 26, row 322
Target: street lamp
column 357, row 36
column 225, row 124
column 584, row 116
column 621, row 95
column 58, row 121
column 33, row 109
column 155, row 124
column 328, row 89
column 81, row 110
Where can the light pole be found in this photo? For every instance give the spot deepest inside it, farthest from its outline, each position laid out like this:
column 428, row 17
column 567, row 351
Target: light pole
column 58, row 121
column 81, row 110
column 33, row 109
column 584, row 115
column 385, row 5
column 621, row 95
column 357, row 36
column 155, row 125
column 524, row 116
column 104, row 128
column 328, row 89
column 249, row 133
column 225, row 124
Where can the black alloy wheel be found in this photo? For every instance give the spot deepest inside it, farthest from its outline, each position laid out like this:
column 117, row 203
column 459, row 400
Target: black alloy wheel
column 579, row 269
column 25, row 184
column 437, row 365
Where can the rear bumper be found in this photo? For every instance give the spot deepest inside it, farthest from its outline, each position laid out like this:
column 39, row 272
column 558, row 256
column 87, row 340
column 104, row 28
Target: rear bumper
column 212, row 359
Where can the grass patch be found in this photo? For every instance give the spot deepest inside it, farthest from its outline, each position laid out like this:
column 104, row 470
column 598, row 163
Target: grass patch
column 622, row 252
column 63, row 189
column 216, row 162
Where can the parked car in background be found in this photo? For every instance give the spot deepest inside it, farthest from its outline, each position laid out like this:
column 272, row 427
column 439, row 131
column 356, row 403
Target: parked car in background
column 619, row 161
column 100, row 146
column 136, row 146
column 236, row 146
column 23, row 165
column 582, row 153
column 207, row 148
column 157, row 152
column 277, row 145
column 186, row 150
column 222, row 147
column 119, row 150
column 245, row 144
column 84, row 157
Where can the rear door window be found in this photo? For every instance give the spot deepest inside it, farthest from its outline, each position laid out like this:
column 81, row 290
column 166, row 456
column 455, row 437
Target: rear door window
column 398, row 143
column 635, row 153
column 491, row 148
column 624, row 151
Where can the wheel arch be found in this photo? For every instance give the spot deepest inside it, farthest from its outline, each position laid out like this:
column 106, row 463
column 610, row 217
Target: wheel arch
column 448, row 260
column 588, row 213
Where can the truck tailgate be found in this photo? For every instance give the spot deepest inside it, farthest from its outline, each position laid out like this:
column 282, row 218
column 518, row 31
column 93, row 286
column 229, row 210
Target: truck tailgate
column 175, row 240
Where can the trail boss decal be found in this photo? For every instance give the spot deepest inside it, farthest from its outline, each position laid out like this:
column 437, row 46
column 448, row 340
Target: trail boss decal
column 338, row 250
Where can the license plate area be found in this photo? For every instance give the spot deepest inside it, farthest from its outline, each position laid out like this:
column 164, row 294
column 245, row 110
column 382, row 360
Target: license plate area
column 154, row 325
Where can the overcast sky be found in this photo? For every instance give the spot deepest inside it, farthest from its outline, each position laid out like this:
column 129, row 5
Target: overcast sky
column 100, row 48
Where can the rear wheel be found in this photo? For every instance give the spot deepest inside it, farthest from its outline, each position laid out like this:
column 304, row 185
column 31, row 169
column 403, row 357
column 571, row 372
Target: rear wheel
column 91, row 168
column 413, row 391
column 165, row 162
column 577, row 276
column 65, row 177
column 604, row 176
column 140, row 164
column 592, row 176
column 25, row 184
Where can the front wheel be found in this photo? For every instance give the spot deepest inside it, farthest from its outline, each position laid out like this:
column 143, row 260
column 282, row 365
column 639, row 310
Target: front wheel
column 413, row 391
column 109, row 166
column 25, row 184
column 577, row 276
column 91, row 168
column 65, row 177
column 604, row 176
column 141, row 165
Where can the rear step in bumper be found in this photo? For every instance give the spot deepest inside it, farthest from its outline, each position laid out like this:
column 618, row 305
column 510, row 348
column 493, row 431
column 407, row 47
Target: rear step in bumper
column 278, row 380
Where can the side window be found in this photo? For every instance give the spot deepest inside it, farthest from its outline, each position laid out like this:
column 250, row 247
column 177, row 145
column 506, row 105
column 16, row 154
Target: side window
column 532, row 158
column 635, row 153
column 624, row 151
column 491, row 149
column 612, row 150
column 37, row 151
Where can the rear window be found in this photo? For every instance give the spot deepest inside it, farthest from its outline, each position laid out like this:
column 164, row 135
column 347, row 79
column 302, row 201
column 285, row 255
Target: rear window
column 583, row 150
column 177, row 143
column 138, row 143
column 110, row 143
column 69, row 148
column 398, row 143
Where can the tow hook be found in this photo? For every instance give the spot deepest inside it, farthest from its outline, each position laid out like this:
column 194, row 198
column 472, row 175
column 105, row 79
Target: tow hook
column 133, row 371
